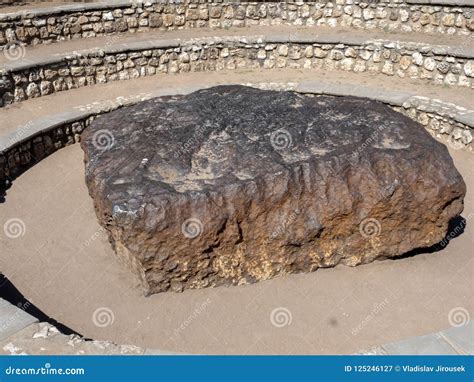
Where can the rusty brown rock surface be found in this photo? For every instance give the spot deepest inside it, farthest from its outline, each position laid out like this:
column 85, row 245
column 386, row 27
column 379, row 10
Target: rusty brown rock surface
column 232, row 185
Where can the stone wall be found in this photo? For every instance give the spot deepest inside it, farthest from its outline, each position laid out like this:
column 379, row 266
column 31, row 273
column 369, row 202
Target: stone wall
column 116, row 16
column 21, row 156
column 455, row 134
column 233, row 53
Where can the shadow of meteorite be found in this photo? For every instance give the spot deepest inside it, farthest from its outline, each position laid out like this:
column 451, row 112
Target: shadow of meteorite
column 456, row 228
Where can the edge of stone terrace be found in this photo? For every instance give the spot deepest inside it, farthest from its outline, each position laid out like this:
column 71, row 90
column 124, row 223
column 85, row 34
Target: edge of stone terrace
column 114, row 4
column 283, row 38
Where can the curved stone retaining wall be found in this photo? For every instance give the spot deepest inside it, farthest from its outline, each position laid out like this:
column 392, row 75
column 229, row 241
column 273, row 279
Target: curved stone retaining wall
column 64, row 22
column 20, row 157
column 439, row 65
column 31, row 143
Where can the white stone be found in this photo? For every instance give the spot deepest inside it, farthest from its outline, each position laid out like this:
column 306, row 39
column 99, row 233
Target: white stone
column 365, row 54
column 347, row 64
column 261, row 54
column 350, row 52
column 387, row 68
column 417, row 58
column 404, row 15
column 32, row 90
column 368, row 14
column 469, row 68
column 320, row 53
column 283, row 50
column 359, row 66
column 429, row 64
column 108, row 16
column 308, row 52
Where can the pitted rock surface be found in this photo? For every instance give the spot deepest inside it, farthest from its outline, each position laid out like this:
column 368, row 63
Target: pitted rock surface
column 232, row 185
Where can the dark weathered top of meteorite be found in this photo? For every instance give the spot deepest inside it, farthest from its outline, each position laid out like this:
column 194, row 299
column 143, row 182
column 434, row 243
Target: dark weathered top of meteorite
column 228, row 134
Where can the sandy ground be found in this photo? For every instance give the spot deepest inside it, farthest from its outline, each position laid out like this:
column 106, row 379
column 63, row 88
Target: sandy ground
column 64, row 264
column 23, row 113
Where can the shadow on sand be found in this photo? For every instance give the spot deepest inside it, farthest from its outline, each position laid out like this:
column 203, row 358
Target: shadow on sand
column 455, row 228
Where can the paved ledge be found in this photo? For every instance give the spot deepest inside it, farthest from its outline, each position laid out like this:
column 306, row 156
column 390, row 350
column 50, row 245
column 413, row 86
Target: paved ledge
column 22, row 334
column 452, row 341
column 391, row 97
column 114, row 4
column 69, row 8
column 396, row 98
column 13, row 319
column 53, row 121
column 446, row 3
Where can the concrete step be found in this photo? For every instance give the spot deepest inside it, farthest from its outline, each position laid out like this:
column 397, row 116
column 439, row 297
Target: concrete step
column 13, row 319
column 22, row 334
column 455, row 340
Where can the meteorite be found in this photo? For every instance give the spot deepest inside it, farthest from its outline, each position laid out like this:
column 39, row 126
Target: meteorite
column 232, row 185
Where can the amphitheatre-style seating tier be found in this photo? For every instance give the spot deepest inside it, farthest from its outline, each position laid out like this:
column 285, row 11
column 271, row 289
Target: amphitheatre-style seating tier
column 38, row 74
column 70, row 21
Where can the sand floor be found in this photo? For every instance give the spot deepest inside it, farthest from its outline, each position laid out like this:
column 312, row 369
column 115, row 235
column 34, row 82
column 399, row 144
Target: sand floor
column 64, row 264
